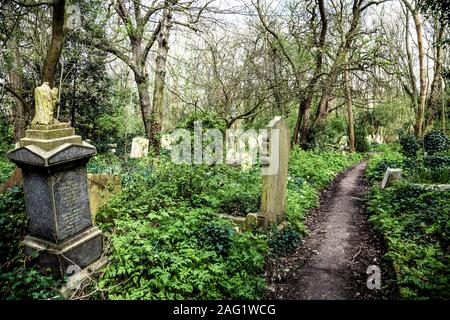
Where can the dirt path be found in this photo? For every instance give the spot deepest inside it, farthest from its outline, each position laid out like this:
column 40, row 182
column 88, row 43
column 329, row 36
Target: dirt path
column 332, row 261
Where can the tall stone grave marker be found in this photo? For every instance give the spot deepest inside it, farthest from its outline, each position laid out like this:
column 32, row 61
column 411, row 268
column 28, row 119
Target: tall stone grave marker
column 274, row 158
column 139, row 147
column 53, row 161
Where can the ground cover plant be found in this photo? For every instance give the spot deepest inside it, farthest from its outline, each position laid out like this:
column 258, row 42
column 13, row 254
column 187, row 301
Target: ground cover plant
column 414, row 220
column 168, row 241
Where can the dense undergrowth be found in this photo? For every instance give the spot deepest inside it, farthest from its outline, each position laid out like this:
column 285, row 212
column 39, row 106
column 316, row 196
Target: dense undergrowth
column 169, row 242
column 414, row 219
column 165, row 237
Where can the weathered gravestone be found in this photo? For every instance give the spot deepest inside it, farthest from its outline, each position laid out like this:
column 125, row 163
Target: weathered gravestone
column 101, row 188
column 391, row 175
column 274, row 159
column 139, row 147
column 53, row 161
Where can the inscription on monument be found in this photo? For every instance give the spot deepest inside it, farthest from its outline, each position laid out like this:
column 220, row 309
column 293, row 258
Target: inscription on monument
column 72, row 203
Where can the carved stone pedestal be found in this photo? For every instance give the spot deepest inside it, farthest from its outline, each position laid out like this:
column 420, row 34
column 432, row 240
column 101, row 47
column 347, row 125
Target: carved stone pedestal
column 53, row 161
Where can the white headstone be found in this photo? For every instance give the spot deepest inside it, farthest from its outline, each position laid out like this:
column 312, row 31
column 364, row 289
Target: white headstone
column 139, row 147
column 390, row 176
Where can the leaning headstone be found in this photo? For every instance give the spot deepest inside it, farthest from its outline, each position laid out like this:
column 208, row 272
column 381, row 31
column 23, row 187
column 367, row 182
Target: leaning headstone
column 139, row 147
column 390, row 176
column 102, row 187
column 53, row 161
column 274, row 159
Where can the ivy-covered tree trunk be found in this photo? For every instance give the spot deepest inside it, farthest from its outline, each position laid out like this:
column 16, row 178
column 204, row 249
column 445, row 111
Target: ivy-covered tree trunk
column 142, row 82
column 160, row 78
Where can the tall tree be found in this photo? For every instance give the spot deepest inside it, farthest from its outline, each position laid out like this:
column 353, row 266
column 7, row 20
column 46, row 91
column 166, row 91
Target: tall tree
column 414, row 9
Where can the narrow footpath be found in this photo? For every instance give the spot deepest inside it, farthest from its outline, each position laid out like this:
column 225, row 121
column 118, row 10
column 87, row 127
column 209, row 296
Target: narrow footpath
column 332, row 260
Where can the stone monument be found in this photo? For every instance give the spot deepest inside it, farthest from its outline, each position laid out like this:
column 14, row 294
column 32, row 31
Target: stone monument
column 53, row 161
column 274, row 159
column 139, row 147
column 391, row 175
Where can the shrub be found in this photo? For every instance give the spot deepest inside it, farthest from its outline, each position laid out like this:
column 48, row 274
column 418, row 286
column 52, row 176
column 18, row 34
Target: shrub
column 179, row 254
column 217, row 236
column 435, row 142
column 13, row 223
column 284, row 241
column 16, row 281
column 410, row 145
column 377, row 166
column 415, row 223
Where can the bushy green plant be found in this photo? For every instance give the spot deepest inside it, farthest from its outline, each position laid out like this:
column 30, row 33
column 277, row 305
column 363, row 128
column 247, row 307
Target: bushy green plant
column 284, row 241
column 217, row 236
column 13, row 223
column 389, row 158
column 6, row 168
column 174, row 254
column 410, row 145
column 415, row 223
column 25, row 284
column 361, row 142
column 435, row 142
column 319, row 168
column 16, row 280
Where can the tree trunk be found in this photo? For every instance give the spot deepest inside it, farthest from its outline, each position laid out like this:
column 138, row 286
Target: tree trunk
column 21, row 112
column 142, row 82
column 305, row 104
column 418, row 128
column 412, row 77
column 432, row 103
column 56, row 44
column 351, row 129
column 160, row 78
column 443, row 105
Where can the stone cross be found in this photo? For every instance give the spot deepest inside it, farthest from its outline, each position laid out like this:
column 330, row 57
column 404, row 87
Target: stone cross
column 53, row 161
column 274, row 158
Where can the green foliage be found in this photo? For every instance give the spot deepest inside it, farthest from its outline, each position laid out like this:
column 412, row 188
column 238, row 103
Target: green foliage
column 209, row 120
column 415, row 223
column 284, row 241
column 166, row 256
column 319, row 168
column 361, row 142
column 168, row 242
column 6, row 144
column 328, row 134
column 299, row 199
column 16, row 281
column 435, row 142
column 218, row 236
column 21, row 283
column 12, row 223
column 6, row 168
column 410, row 145
column 390, row 158
column 6, row 134
column 106, row 163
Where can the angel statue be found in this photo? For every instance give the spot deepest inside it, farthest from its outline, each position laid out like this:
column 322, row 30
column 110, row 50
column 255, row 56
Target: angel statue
column 45, row 100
